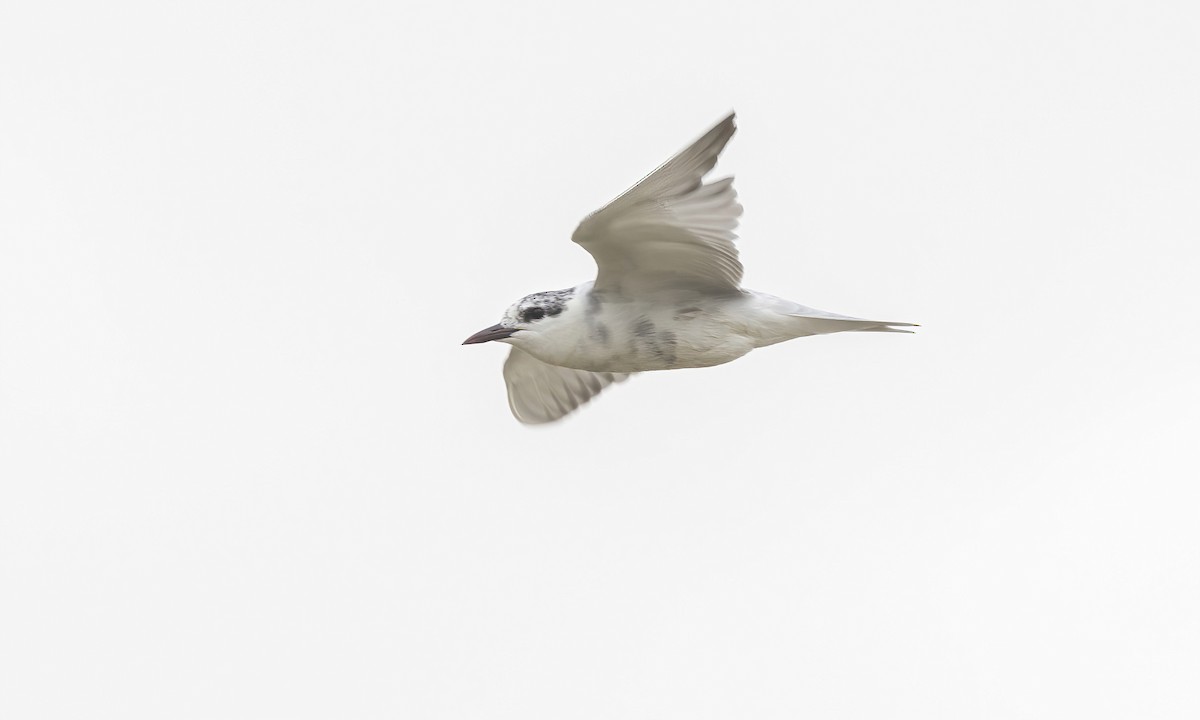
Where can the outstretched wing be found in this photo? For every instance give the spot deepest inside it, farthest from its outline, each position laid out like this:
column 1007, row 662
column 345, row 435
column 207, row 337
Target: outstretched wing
column 671, row 230
column 540, row 393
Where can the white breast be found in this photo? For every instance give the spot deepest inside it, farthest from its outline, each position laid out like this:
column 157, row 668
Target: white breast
column 613, row 335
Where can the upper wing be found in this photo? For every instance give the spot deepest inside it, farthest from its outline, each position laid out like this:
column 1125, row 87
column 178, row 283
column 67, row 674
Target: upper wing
column 671, row 229
column 540, row 393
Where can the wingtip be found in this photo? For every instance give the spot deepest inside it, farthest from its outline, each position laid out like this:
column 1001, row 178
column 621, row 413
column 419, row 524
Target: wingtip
column 720, row 133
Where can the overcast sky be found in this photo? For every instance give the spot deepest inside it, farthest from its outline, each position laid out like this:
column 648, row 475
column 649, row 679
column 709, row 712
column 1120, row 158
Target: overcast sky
column 247, row 470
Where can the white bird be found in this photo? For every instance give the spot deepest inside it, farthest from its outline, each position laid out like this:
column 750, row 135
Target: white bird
column 667, row 294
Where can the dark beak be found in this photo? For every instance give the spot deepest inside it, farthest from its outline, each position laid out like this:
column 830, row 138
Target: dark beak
column 495, row 332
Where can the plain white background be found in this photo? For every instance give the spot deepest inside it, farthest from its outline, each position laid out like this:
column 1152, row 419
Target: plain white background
column 249, row 472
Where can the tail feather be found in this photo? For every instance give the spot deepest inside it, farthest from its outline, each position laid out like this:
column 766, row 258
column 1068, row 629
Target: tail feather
column 824, row 325
column 886, row 327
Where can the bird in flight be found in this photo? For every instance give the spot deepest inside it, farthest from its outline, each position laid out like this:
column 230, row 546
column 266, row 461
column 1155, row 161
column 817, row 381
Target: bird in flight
column 667, row 294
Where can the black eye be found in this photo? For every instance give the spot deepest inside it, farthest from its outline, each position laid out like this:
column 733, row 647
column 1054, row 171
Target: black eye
column 534, row 314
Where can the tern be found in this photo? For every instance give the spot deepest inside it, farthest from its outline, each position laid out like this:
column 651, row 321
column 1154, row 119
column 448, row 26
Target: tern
column 667, row 294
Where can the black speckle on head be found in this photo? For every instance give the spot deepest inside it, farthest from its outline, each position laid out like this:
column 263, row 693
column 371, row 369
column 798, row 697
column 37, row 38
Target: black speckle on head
column 538, row 305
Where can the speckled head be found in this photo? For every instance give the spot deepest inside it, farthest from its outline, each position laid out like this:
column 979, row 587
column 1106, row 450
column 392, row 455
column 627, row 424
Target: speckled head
column 524, row 314
column 532, row 308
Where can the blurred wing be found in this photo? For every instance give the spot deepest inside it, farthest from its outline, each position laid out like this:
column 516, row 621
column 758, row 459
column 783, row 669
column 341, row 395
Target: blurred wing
column 540, row 393
column 671, row 230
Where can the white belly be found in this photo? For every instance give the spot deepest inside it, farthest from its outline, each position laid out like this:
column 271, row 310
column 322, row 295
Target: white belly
column 636, row 337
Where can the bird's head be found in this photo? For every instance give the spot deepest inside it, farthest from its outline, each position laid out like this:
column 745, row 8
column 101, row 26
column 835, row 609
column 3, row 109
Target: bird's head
column 526, row 319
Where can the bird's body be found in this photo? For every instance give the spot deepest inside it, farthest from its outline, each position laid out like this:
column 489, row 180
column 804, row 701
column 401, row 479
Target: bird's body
column 667, row 294
column 606, row 332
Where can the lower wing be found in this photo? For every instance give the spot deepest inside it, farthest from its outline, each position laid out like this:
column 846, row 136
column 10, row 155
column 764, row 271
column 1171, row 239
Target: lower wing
column 540, row 393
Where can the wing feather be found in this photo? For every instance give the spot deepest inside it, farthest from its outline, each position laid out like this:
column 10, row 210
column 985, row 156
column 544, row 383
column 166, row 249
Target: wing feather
column 671, row 229
column 540, row 393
